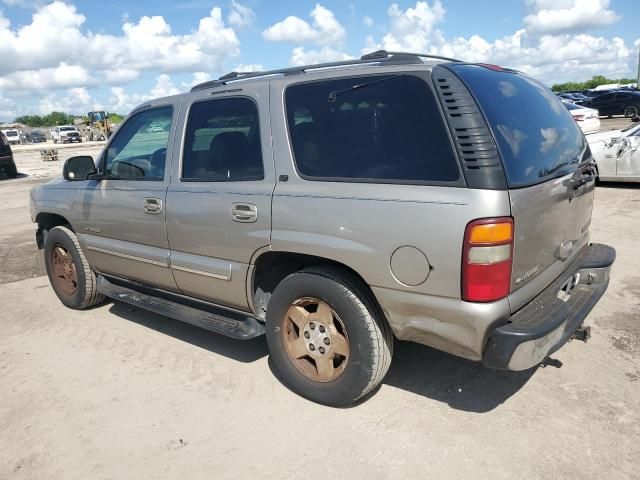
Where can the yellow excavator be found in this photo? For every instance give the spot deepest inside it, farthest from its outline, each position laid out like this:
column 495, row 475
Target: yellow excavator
column 95, row 127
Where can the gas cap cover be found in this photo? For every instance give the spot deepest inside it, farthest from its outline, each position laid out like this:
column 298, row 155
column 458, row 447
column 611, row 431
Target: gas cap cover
column 410, row 266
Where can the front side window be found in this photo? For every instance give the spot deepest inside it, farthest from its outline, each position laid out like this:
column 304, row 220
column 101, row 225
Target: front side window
column 137, row 152
column 222, row 142
column 369, row 128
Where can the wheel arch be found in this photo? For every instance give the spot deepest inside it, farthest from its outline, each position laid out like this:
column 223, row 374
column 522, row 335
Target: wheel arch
column 271, row 267
column 46, row 221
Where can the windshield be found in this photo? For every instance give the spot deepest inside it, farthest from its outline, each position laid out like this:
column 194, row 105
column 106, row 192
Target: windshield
column 67, row 129
column 12, row 133
column 537, row 137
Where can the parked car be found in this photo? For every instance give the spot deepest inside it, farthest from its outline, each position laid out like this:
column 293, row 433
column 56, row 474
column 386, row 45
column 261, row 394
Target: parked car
column 617, row 154
column 12, row 135
column 439, row 202
column 7, row 164
column 586, row 118
column 37, row 136
column 66, row 134
column 573, row 97
column 625, row 103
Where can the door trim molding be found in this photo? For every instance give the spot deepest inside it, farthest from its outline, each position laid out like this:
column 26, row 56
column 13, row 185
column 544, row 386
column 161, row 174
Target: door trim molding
column 128, row 257
column 226, row 277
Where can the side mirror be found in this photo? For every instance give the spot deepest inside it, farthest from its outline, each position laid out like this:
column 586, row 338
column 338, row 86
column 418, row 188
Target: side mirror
column 78, row 168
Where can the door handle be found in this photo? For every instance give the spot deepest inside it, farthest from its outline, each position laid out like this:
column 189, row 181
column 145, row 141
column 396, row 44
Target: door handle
column 152, row 206
column 244, row 212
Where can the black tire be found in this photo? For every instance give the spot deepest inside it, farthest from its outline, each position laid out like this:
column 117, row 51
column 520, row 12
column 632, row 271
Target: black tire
column 630, row 111
column 86, row 294
column 370, row 338
column 11, row 170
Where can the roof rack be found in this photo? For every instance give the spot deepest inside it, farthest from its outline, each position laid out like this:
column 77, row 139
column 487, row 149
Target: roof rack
column 379, row 56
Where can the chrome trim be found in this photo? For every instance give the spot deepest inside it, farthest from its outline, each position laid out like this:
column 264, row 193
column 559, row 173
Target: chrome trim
column 128, row 257
column 203, row 273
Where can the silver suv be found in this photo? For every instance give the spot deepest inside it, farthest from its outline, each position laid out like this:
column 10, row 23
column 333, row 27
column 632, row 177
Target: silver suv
column 337, row 206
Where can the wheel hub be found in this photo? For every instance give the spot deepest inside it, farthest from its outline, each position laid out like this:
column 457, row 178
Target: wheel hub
column 317, row 339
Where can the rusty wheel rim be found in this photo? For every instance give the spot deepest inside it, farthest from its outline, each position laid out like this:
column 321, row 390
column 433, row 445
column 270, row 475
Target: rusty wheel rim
column 65, row 277
column 315, row 339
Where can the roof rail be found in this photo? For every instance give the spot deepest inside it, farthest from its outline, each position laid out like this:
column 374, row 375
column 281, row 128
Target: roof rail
column 380, row 56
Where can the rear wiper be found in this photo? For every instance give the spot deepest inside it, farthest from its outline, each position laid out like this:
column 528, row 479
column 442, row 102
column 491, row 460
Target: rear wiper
column 334, row 95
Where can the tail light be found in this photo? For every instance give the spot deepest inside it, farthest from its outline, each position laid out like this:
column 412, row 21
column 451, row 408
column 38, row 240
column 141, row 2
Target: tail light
column 487, row 255
column 578, row 118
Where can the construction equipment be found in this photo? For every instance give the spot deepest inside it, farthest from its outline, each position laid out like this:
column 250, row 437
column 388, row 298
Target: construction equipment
column 95, row 127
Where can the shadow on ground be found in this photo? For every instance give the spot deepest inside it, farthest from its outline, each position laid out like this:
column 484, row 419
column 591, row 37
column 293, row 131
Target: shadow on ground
column 462, row 384
column 244, row 351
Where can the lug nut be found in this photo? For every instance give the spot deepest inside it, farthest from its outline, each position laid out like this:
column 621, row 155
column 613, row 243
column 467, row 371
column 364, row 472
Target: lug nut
column 326, row 340
column 312, row 347
column 321, row 350
column 312, row 326
column 321, row 328
column 306, row 335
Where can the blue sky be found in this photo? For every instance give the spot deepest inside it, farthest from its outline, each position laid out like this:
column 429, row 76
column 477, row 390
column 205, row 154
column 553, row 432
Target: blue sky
column 75, row 56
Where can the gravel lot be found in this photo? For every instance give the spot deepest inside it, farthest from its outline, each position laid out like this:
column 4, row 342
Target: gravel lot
column 116, row 392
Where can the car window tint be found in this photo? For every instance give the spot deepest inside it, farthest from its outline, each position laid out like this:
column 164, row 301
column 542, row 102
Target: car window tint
column 138, row 151
column 537, row 136
column 369, row 128
column 222, row 142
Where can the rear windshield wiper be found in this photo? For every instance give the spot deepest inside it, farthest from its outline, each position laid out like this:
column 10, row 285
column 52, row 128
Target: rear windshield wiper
column 334, row 95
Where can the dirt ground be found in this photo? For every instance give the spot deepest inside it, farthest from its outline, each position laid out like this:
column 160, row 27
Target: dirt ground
column 116, row 392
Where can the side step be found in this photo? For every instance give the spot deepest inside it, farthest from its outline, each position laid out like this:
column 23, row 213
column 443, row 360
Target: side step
column 241, row 328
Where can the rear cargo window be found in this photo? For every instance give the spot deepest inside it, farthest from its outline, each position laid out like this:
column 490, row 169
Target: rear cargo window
column 369, row 128
column 537, row 136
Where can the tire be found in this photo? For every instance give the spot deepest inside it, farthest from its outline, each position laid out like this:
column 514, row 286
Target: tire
column 85, row 294
column 11, row 170
column 630, row 111
column 355, row 316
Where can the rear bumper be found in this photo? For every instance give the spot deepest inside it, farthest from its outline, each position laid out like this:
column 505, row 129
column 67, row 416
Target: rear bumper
column 549, row 320
column 6, row 160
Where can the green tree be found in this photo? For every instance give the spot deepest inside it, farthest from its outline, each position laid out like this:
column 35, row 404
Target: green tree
column 594, row 82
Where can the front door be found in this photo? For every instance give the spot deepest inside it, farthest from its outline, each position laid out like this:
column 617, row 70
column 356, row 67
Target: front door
column 219, row 200
column 122, row 227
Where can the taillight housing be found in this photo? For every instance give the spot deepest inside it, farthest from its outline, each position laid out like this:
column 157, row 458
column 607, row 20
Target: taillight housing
column 487, row 256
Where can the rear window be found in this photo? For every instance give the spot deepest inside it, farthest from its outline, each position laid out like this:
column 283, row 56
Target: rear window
column 369, row 128
column 537, row 136
column 12, row 133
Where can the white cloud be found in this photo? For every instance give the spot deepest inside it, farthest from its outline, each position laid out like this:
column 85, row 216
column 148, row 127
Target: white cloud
column 412, row 29
column 240, row 16
column 568, row 15
column 75, row 100
column 368, row 21
column 324, row 29
column 164, row 87
column 249, row 67
column 300, row 56
column 54, row 40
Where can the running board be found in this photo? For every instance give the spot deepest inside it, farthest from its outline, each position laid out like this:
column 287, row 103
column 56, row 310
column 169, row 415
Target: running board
column 241, row 328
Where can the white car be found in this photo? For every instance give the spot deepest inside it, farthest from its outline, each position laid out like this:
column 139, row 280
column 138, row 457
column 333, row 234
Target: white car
column 66, row 133
column 617, row 154
column 13, row 136
column 587, row 118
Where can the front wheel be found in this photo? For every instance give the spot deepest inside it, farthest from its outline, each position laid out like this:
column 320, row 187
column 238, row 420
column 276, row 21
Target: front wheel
column 328, row 338
column 631, row 111
column 70, row 274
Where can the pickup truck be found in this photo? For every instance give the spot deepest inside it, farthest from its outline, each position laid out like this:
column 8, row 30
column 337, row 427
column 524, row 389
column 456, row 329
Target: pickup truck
column 66, row 134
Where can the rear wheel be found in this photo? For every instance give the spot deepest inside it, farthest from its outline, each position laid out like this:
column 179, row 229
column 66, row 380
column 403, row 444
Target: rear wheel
column 631, row 111
column 70, row 275
column 11, row 170
column 327, row 337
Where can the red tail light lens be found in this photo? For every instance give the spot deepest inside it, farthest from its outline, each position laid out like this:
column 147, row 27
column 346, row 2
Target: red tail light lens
column 487, row 256
column 578, row 118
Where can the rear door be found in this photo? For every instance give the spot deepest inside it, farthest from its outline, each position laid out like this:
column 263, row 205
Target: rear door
column 547, row 164
column 219, row 202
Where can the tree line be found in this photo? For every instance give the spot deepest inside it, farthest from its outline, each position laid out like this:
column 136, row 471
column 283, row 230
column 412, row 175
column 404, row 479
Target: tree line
column 58, row 118
column 594, row 82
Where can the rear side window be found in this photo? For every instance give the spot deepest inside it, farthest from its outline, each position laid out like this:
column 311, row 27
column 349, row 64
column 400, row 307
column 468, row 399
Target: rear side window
column 537, row 136
column 369, row 128
column 222, row 142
